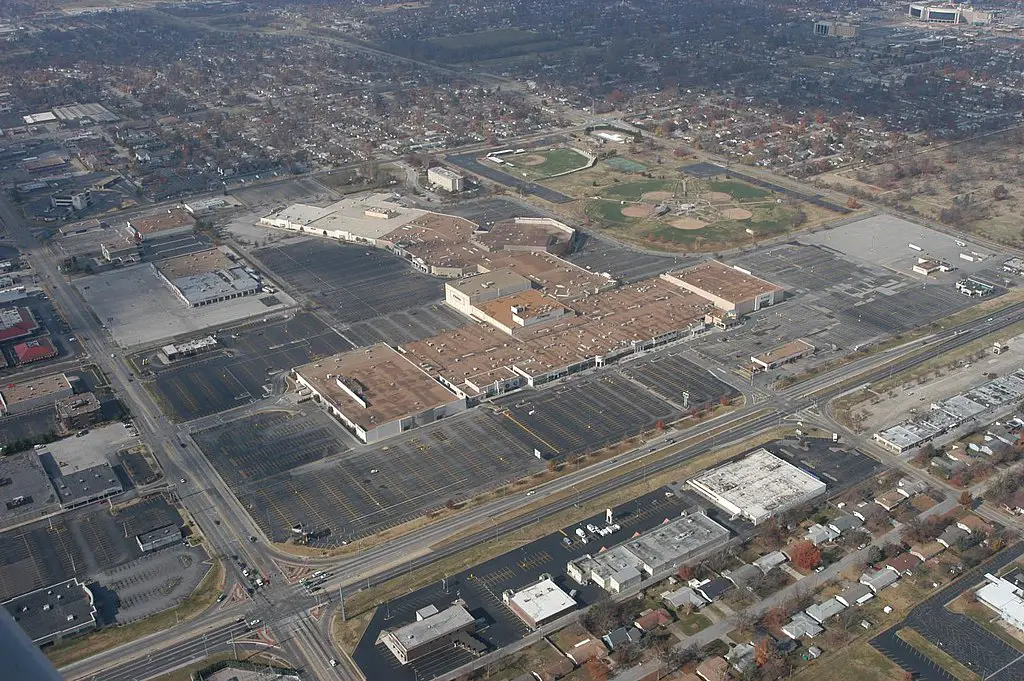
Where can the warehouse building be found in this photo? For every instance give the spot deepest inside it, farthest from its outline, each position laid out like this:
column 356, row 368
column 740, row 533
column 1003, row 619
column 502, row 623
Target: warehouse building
column 54, row 613
column 730, row 289
column 539, row 603
column 18, row 398
column 158, row 538
column 377, row 393
column 174, row 221
column 432, row 630
column 664, row 547
column 207, row 277
column 757, row 486
column 448, row 180
column 78, row 411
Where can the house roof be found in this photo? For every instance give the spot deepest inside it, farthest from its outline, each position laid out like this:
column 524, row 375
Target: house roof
column 713, row 669
column 845, row 522
column 616, row 638
column 587, row 650
column 854, row 593
column 975, row 524
column 680, row 597
column 903, row 562
column 715, row 588
column 879, row 579
column 927, row 550
column 652, row 619
column 819, row 612
column 770, row 560
column 743, row 574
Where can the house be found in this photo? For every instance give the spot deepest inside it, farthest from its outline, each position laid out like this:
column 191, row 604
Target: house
column 680, row 598
column 622, row 635
column 902, row 564
column 855, row 595
column 587, row 650
column 819, row 534
column 928, row 550
column 845, row 523
column 713, row 589
column 951, row 535
column 743, row 575
column 879, row 579
column 819, row 612
column 557, row 668
column 801, row 625
column 1015, row 504
column 910, row 487
column 741, row 657
column 652, row 619
column 890, row 499
column 713, row 669
column 769, row 561
column 972, row 524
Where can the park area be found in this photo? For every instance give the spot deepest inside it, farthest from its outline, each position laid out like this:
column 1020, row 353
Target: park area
column 672, row 210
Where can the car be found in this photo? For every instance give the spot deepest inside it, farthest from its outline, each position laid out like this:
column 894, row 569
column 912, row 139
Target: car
column 182, row 481
column 592, row 528
column 861, row 547
column 531, row 492
column 374, row 471
column 567, row 541
column 254, row 623
column 819, row 568
column 252, row 538
column 220, row 599
column 333, row 662
column 216, row 522
column 71, row 339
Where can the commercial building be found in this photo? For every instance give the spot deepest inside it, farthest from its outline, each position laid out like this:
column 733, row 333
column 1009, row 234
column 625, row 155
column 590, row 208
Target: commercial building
column 174, row 221
column 158, row 538
column 974, row 288
column 376, row 392
column 35, row 350
column 16, row 322
column 54, row 613
column 730, row 289
column 520, row 311
column 366, row 220
column 539, row 235
column 78, row 411
column 1006, row 598
column 758, row 486
column 435, row 631
column 666, row 546
column 207, row 277
column 448, row 180
column 947, row 13
column 200, row 206
column 539, row 603
column 466, row 294
column 74, row 200
column 86, row 486
column 834, row 29
column 18, row 398
column 784, row 354
column 196, row 346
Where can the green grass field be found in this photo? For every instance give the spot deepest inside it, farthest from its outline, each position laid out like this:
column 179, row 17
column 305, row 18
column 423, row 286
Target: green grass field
column 634, row 191
column 738, row 190
column 609, row 212
column 501, row 37
column 556, row 161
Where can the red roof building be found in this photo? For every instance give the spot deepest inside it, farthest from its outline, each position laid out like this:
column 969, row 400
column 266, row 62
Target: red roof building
column 16, row 322
column 34, row 350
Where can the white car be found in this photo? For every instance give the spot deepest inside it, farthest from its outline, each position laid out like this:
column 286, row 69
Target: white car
column 333, row 662
column 592, row 528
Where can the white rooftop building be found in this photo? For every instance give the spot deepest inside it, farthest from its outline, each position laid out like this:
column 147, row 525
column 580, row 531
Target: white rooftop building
column 758, row 486
column 539, row 603
column 1005, row 598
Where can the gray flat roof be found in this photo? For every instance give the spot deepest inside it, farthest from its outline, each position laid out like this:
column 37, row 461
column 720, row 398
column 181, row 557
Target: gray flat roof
column 89, row 483
column 676, row 539
column 54, row 609
column 198, row 288
column 27, row 480
column 442, row 624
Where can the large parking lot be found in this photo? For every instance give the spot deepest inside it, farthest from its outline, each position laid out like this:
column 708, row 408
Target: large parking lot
column 830, row 301
column 671, row 376
column 372, row 489
column 150, row 583
column 481, row 587
column 623, row 263
column 582, row 416
column 77, row 544
column 350, row 283
column 251, row 357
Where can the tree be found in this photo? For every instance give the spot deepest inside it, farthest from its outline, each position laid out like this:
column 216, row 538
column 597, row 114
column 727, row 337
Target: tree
column 629, row 653
column 762, row 652
column 596, row 670
column 1000, row 193
column 774, row 618
column 966, row 499
column 806, row 555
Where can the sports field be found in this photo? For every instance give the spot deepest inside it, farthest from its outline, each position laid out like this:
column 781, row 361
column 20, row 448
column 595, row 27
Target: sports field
column 538, row 164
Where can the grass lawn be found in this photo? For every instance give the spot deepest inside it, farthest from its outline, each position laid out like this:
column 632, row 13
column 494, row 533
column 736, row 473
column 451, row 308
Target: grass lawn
column 692, row 623
column 937, row 655
column 738, row 190
column 858, row 661
column 634, row 191
column 768, row 220
column 80, row 648
column 501, row 37
column 608, row 212
column 557, row 161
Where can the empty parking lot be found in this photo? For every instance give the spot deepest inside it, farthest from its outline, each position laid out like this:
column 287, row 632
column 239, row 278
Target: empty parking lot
column 674, row 378
column 365, row 491
column 249, row 358
column 350, row 283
